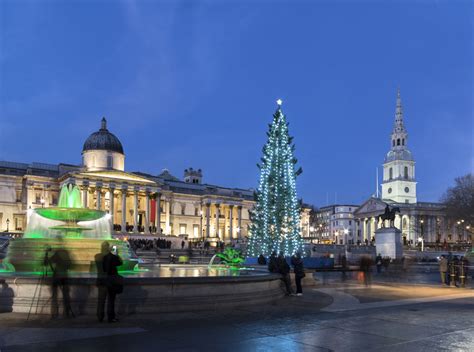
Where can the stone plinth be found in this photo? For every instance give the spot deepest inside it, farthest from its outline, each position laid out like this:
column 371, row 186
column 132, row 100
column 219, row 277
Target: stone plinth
column 388, row 242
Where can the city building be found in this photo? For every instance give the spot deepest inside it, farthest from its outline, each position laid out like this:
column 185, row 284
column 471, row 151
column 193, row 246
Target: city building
column 418, row 221
column 334, row 224
column 160, row 204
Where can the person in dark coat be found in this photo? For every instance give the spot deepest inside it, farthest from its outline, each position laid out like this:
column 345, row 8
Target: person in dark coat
column 262, row 260
column 378, row 263
column 110, row 262
column 298, row 269
column 272, row 263
column 60, row 263
column 284, row 270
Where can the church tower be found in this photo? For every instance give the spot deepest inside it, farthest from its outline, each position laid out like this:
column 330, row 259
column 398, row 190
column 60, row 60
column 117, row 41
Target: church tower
column 399, row 183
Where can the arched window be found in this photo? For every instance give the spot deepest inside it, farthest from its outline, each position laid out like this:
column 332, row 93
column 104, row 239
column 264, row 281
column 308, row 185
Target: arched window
column 403, row 141
column 390, row 172
column 398, row 141
column 406, row 172
column 110, row 162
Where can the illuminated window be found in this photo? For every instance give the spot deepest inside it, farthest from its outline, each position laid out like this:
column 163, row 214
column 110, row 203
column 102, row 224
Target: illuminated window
column 182, row 229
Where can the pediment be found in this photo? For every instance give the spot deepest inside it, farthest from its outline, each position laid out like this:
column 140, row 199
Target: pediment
column 372, row 205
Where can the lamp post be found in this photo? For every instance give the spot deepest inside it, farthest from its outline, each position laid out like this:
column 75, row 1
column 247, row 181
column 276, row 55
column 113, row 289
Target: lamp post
column 346, row 231
column 42, row 201
column 8, row 225
column 421, row 239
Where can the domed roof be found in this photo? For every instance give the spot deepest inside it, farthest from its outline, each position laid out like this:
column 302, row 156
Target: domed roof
column 401, row 154
column 103, row 140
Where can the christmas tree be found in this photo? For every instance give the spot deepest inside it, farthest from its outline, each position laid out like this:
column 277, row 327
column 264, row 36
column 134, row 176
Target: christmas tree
column 276, row 216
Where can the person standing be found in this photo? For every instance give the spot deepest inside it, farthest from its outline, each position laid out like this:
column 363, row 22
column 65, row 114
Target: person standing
column 443, row 268
column 298, row 269
column 114, row 281
column 284, row 270
column 378, row 263
column 272, row 263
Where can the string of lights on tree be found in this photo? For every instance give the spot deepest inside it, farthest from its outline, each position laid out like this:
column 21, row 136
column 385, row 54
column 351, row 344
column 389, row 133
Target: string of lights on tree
column 276, row 216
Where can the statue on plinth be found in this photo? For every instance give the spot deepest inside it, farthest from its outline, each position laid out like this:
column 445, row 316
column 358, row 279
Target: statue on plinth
column 389, row 215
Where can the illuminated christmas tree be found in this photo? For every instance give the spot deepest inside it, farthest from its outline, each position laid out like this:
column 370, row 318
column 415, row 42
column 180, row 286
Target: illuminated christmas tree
column 276, row 216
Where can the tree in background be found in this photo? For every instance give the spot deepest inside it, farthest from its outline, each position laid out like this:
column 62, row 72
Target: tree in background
column 459, row 201
column 276, row 216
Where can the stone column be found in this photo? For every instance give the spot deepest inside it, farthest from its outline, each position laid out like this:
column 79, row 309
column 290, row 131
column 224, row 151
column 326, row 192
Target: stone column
column 168, row 216
column 124, row 210
column 218, row 213
column 239, row 221
column 111, row 204
column 135, row 211
column 99, row 197
column 158, row 213
column 147, row 210
column 208, row 221
column 85, row 192
column 231, row 222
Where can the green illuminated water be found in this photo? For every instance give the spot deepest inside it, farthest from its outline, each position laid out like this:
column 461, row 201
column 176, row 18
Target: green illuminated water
column 69, row 219
column 70, row 197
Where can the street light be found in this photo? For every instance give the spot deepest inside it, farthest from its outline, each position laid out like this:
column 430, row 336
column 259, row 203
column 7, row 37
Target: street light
column 422, row 237
column 8, row 224
column 346, row 231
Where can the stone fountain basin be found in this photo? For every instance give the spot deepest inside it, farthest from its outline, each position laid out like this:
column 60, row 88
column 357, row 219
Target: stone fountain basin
column 27, row 254
column 165, row 288
column 70, row 214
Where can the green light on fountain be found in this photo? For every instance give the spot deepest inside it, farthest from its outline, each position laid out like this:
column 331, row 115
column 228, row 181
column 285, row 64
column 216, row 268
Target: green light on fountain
column 70, row 211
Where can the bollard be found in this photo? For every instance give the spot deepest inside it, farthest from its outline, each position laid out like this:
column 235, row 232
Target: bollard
column 452, row 279
column 462, row 276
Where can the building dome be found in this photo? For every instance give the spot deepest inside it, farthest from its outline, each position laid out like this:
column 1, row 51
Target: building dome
column 103, row 140
column 401, row 154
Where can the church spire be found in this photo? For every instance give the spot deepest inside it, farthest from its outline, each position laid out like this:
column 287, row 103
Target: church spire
column 399, row 133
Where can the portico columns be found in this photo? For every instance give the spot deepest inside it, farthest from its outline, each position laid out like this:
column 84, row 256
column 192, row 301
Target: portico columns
column 218, row 214
column 231, row 220
column 168, row 216
column 85, row 194
column 208, row 215
column 99, row 197
column 239, row 221
column 124, row 210
column 135, row 211
column 158, row 213
column 111, row 204
column 147, row 210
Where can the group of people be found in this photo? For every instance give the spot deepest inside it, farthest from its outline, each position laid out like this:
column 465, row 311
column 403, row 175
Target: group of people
column 148, row 244
column 109, row 283
column 453, row 270
column 130, row 228
column 278, row 264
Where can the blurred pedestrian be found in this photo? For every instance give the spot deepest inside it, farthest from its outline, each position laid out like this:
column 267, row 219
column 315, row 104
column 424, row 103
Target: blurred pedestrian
column 443, row 268
column 298, row 269
column 284, row 271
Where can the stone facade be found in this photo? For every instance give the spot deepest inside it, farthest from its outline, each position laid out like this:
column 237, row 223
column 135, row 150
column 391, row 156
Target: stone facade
column 137, row 202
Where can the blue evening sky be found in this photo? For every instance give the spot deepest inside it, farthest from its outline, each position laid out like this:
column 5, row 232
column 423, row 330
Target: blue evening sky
column 194, row 83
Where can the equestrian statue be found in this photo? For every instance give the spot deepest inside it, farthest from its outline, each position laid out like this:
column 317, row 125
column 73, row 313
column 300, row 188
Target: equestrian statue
column 389, row 215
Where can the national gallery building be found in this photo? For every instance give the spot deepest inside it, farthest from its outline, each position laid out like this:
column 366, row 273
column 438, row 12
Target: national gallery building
column 137, row 202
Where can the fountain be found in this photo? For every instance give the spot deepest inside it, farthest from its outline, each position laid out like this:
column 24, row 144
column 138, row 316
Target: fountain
column 79, row 230
column 26, row 281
